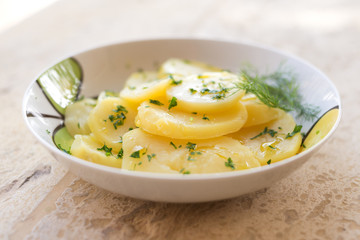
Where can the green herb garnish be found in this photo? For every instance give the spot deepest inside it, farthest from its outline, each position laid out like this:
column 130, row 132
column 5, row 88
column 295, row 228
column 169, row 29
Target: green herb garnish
column 268, row 162
column 119, row 117
column 151, row 156
column 191, row 146
column 183, row 171
column 156, row 102
column 172, row 144
column 120, row 108
column 106, row 149
column 173, row 81
column 296, row 130
column 192, row 90
column 266, row 131
column 278, row 90
column 230, row 164
column 135, row 154
column 120, row 154
column 274, row 148
column 205, row 118
column 173, row 103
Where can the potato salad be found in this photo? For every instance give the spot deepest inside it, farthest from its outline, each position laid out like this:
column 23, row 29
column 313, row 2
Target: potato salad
column 186, row 118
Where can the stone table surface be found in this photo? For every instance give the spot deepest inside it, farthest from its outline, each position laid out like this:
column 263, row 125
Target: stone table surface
column 40, row 199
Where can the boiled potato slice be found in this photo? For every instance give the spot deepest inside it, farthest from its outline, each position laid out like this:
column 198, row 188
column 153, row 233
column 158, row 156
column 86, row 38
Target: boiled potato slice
column 88, row 148
column 180, row 67
column 208, row 92
column 172, row 123
column 141, row 86
column 76, row 116
column 320, row 129
column 258, row 113
column 151, row 153
column 270, row 141
column 107, row 94
column 110, row 119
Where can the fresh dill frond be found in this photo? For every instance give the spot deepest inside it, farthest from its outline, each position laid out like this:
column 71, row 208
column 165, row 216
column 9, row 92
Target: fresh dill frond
column 277, row 90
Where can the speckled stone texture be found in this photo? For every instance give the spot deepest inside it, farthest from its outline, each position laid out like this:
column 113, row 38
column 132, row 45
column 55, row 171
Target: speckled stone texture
column 39, row 199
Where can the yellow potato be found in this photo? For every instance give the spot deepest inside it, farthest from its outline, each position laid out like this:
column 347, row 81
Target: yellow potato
column 88, row 148
column 208, row 92
column 172, row 123
column 321, row 129
column 142, row 86
column 151, row 153
column 258, row 112
column 180, row 67
column 270, row 141
column 76, row 116
column 107, row 94
column 110, row 119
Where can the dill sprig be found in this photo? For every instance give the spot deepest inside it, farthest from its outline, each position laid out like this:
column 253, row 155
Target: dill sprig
column 278, row 90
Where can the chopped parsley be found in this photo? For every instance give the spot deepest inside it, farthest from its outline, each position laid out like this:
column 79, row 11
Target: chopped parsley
column 296, row 130
column 173, row 81
column 268, row 162
column 271, row 132
column 119, row 117
column 172, row 103
column 120, row 154
column 151, row 156
column 121, row 140
column 183, row 171
column 230, row 164
column 192, row 91
column 120, row 108
column 78, row 125
column 156, row 102
column 274, row 148
column 194, row 113
column 47, row 131
column 190, row 159
column 317, row 132
column 135, row 154
column 106, row 149
column 205, row 118
column 172, row 144
column 191, row 146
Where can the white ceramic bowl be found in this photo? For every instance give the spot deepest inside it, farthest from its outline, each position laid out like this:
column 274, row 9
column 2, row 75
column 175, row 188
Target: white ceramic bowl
column 107, row 67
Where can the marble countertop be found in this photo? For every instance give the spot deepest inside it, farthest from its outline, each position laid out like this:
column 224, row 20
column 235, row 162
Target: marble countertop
column 40, row 199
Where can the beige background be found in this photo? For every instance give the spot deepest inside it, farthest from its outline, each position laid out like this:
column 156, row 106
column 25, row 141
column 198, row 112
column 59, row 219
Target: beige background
column 39, row 199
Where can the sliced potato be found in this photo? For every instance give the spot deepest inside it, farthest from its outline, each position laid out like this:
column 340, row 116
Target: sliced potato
column 106, row 94
column 258, row 113
column 151, row 153
column 88, row 148
column 142, row 86
column 181, row 67
column 270, row 141
column 208, row 92
column 76, row 116
column 110, row 119
column 320, row 129
column 172, row 123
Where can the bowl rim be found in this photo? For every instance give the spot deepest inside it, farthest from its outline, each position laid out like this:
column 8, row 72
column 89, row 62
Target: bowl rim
column 193, row 176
